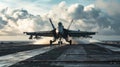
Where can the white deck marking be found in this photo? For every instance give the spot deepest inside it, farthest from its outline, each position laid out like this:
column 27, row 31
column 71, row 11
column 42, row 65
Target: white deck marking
column 109, row 47
column 11, row 59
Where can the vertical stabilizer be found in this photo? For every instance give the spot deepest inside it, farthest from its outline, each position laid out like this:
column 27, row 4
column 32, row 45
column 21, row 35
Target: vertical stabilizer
column 51, row 23
column 70, row 24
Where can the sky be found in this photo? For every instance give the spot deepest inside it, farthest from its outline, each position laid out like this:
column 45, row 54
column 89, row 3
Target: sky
column 42, row 6
column 18, row 16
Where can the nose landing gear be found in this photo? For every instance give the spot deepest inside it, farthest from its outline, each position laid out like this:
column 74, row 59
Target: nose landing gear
column 60, row 42
column 70, row 42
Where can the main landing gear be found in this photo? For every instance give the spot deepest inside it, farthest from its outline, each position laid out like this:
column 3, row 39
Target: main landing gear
column 70, row 41
column 60, row 42
column 52, row 42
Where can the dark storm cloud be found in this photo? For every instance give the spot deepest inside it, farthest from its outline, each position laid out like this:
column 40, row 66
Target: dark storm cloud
column 2, row 23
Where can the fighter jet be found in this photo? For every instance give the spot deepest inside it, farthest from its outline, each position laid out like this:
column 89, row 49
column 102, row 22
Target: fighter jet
column 61, row 34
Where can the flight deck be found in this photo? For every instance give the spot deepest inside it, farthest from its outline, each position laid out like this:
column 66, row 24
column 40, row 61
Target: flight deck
column 65, row 55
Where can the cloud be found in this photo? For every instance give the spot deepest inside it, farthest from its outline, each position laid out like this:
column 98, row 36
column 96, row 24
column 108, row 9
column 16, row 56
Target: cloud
column 112, row 10
column 35, row 7
column 19, row 21
column 111, row 6
column 2, row 23
column 88, row 18
column 76, row 11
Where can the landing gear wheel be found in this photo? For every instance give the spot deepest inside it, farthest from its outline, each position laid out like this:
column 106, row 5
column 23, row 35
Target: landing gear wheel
column 61, row 42
column 58, row 42
column 70, row 42
column 50, row 42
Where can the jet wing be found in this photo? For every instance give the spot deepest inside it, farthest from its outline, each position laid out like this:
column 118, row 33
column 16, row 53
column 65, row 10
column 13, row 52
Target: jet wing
column 51, row 33
column 85, row 34
column 40, row 33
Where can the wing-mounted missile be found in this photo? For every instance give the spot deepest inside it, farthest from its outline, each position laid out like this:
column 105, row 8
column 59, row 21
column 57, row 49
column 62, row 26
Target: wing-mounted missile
column 27, row 33
column 24, row 32
column 37, row 37
column 31, row 36
column 87, row 36
column 52, row 23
